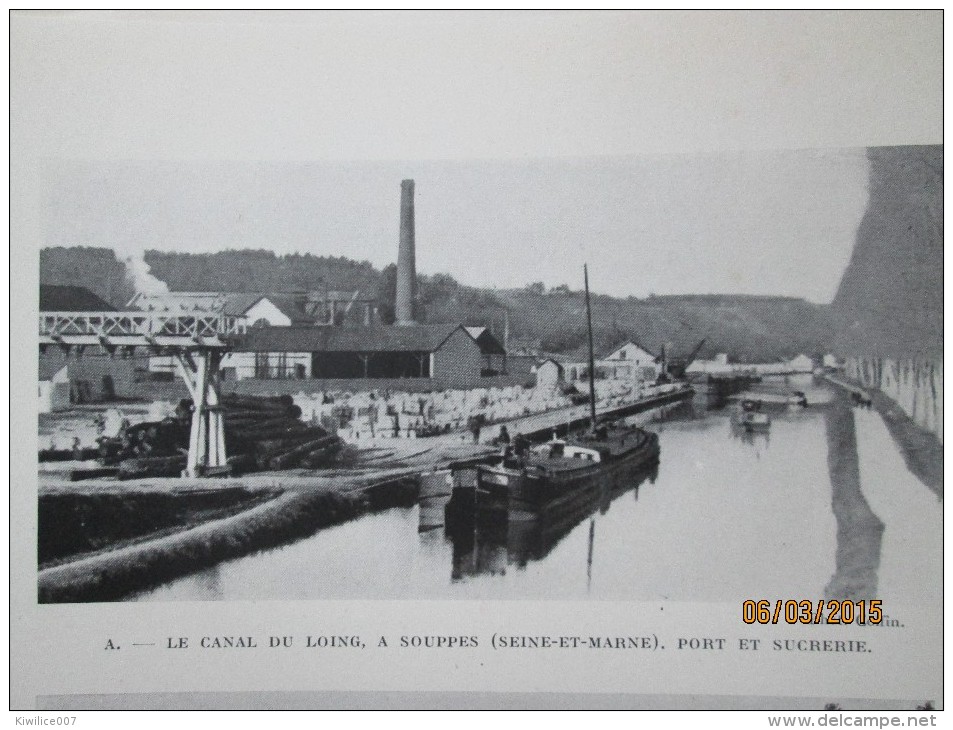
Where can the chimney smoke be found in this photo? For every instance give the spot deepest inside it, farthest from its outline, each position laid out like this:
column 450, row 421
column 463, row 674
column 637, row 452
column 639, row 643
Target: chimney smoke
column 405, row 301
column 141, row 278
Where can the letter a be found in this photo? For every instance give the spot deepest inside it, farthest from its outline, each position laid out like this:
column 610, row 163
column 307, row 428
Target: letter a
column 382, row 642
column 110, row 645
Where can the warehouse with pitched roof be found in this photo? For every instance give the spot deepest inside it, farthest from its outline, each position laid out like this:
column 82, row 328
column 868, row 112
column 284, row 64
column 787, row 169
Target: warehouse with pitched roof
column 445, row 354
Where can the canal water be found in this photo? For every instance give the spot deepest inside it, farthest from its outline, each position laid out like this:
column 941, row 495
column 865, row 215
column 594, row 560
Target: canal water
column 727, row 515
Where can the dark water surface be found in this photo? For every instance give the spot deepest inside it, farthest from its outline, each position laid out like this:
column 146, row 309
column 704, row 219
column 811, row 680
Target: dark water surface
column 726, row 516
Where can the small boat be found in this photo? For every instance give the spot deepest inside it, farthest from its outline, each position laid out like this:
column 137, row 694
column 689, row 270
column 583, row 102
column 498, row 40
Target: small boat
column 529, row 478
column 755, row 421
column 751, row 418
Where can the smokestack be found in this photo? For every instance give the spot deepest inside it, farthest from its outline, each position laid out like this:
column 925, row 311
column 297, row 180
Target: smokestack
column 406, row 265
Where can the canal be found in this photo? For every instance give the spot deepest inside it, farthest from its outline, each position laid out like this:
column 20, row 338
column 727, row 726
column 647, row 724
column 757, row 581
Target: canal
column 727, row 515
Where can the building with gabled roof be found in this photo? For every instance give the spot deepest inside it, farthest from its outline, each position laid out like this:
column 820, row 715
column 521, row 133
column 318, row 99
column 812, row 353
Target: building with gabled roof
column 447, row 354
column 626, row 361
column 280, row 309
column 495, row 361
column 632, row 352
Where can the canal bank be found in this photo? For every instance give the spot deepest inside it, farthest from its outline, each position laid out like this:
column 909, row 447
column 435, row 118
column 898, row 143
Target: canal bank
column 544, row 425
column 922, row 450
column 125, row 536
column 129, row 535
column 281, row 517
column 726, row 515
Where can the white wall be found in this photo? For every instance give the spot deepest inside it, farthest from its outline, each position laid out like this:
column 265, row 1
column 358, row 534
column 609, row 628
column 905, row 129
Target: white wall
column 630, row 352
column 267, row 311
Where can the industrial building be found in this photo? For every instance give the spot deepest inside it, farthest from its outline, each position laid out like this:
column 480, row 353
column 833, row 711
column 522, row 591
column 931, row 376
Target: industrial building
column 297, row 309
column 78, row 374
column 446, row 355
column 323, row 335
column 629, row 361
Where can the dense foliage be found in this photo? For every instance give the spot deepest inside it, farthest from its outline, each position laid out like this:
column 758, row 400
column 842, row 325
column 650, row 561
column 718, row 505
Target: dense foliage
column 748, row 328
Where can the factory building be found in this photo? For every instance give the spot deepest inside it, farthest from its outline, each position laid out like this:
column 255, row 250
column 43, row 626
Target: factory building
column 84, row 374
column 447, row 356
column 297, row 309
column 327, row 335
column 433, row 355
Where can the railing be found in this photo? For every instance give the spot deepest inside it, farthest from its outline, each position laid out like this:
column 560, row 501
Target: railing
column 146, row 324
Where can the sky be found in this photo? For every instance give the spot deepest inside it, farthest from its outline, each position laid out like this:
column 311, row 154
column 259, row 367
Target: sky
column 675, row 152
column 763, row 222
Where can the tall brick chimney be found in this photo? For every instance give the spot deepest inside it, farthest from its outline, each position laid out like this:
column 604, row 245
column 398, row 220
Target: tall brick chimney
column 406, row 264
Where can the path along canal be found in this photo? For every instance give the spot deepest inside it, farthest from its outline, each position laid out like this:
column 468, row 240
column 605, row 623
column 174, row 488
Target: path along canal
column 727, row 515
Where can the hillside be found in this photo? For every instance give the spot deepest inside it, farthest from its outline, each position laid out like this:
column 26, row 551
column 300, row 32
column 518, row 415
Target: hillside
column 259, row 270
column 890, row 299
column 748, row 328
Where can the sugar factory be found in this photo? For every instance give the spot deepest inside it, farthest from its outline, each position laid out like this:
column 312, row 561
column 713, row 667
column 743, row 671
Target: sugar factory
column 192, row 442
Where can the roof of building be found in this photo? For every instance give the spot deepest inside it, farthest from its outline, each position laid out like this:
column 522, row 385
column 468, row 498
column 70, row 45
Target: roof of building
column 55, row 298
column 487, row 341
column 288, row 304
column 409, row 338
column 49, row 368
column 556, row 357
column 234, row 304
column 238, row 303
column 545, row 360
column 626, row 343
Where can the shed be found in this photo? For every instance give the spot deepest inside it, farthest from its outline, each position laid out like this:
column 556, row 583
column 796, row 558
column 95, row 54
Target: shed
column 549, row 374
column 53, row 389
column 494, row 354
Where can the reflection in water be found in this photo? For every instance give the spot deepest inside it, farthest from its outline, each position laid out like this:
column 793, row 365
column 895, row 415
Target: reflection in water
column 859, row 531
column 211, row 581
column 592, row 541
column 758, row 440
column 911, row 552
column 486, row 542
column 725, row 518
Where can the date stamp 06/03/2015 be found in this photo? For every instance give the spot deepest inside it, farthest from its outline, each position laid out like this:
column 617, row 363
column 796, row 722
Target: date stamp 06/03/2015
column 807, row 611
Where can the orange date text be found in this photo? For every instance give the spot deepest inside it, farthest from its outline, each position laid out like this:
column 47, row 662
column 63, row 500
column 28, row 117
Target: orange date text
column 811, row 612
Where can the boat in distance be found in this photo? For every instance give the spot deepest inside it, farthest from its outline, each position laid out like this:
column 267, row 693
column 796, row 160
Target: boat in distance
column 751, row 418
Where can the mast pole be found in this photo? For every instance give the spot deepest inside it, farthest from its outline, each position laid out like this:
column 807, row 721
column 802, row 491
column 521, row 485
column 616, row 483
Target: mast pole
column 592, row 357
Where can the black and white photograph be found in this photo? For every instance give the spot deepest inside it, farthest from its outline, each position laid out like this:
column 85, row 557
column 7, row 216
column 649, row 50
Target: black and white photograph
column 589, row 377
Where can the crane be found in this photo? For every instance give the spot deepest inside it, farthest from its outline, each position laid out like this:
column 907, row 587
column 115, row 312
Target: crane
column 674, row 368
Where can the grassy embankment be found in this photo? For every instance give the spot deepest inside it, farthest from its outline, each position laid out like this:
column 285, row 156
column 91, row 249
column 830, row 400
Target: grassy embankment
column 153, row 538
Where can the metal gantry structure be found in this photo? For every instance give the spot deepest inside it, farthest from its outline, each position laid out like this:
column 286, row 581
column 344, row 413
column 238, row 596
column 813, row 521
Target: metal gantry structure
column 197, row 341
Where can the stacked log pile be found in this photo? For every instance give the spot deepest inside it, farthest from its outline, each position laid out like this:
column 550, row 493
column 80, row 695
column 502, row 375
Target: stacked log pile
column 268, row 434
column 261, row 433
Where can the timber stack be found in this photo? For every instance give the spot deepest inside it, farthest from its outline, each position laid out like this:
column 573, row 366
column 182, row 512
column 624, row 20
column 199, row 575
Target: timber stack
column 261, row 434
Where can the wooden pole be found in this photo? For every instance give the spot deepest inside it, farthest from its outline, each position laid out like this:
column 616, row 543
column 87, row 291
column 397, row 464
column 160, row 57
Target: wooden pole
column 216, row 438
column 198, row 435
column 592, row 357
